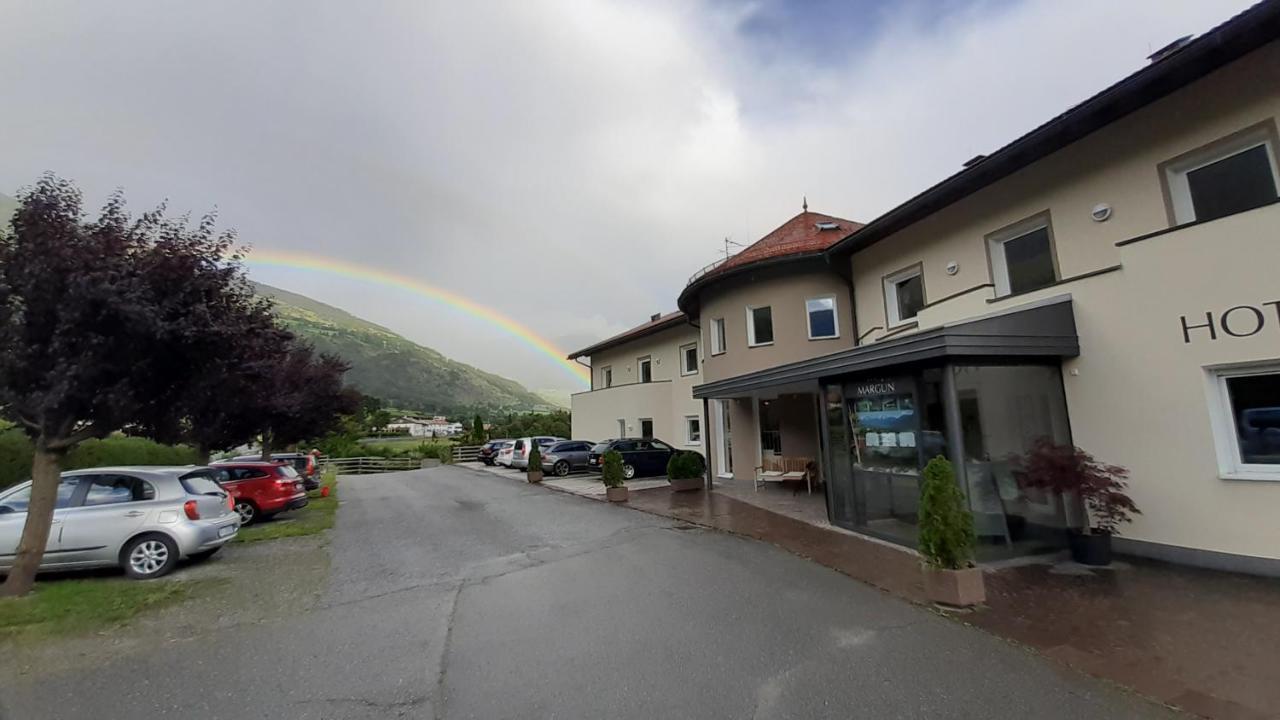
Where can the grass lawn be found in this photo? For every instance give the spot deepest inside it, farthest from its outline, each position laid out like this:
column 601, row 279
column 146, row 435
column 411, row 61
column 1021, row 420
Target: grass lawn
column 73, row 605
column 316, row 517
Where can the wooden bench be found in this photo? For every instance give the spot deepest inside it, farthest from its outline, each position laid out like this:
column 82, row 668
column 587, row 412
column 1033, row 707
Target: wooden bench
column 783, row 470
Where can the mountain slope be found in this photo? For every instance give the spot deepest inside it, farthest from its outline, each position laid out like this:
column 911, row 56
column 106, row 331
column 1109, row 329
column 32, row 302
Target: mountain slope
column 393, row 368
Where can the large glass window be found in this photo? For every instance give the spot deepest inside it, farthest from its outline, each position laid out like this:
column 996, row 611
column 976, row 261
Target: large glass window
column 1247, row 428
column 759, row 326
column 1003, row 411
column 821, row 315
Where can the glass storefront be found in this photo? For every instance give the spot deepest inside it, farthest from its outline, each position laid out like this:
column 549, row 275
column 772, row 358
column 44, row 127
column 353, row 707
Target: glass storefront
column 883, row 429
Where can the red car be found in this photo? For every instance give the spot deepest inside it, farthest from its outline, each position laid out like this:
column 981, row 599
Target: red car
column 262, row 489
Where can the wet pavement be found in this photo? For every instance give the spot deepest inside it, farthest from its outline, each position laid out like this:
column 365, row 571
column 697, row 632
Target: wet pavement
column 1204, row 641
column 452, row 593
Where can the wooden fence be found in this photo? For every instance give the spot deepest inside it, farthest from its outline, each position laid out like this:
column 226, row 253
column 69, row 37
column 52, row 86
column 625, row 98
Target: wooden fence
column 466, row 453
column 369, row 465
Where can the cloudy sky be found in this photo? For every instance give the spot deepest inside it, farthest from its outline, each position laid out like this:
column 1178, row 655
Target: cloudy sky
column 566, row 163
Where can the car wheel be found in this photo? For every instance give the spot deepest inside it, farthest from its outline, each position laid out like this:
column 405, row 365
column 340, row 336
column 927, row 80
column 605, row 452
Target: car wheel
column 247, row 511
column 149, row 556
column 628, row 471
column 561, row 468
column 205, row 555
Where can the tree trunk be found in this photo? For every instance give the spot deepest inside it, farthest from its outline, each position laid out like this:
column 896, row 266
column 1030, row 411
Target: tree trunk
column 202, row 455
column 45, row 474
column 266, row 447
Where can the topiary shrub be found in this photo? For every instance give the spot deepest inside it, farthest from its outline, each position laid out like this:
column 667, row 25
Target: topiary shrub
column 611, row 470
column 686, row 465
column 946, row 527
column 535, row 457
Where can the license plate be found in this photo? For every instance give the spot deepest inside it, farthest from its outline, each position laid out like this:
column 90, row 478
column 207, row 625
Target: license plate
column 225, row 531
column 593, row 461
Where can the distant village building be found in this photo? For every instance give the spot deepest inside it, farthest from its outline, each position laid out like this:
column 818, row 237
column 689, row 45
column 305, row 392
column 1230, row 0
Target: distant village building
column 414, row 426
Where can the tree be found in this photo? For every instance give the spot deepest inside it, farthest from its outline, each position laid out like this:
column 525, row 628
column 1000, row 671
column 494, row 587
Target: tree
column 103, row 325
column 477, row 429
column 379, row 420
column 946, row 526
column 308, row 398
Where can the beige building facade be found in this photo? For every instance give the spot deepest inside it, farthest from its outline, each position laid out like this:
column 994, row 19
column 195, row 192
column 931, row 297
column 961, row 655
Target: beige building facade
column 1107, row 281
column 642, row 385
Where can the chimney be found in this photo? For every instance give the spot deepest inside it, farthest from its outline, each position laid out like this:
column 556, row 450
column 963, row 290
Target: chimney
column 654, row 317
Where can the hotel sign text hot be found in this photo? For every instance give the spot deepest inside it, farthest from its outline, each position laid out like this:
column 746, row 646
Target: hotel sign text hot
column 1239, row 321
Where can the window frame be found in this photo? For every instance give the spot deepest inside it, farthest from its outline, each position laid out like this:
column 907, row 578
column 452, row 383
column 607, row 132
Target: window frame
column 640, row 363
column 689, row 439
column 1226, row 436
column 751, row 326
column 684, row 356
column 717, row 336
column 1173, row 172
column 998, row 266
column 889, row 287
column 606, row 376
column 835, row 317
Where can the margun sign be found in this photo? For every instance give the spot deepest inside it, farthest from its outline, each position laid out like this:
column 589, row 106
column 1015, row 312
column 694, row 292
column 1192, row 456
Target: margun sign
column 1239, row 321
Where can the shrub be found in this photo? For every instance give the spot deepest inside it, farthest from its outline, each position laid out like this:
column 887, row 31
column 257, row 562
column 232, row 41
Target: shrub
column 1065, row 470
column 535, row 457
column 686, row 465
column 611, row 470
column 15, row 454
column 946, row 527
column 444, row 453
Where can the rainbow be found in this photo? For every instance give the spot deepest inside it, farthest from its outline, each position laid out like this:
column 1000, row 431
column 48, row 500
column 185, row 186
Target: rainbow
column 454, row 301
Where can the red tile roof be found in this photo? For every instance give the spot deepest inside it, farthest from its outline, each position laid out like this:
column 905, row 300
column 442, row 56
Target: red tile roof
column 800, row 235
column 662, row 322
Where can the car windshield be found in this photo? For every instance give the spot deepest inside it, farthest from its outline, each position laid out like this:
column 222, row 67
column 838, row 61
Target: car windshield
column 600, row 448
column 204, row 483
column 288, row 471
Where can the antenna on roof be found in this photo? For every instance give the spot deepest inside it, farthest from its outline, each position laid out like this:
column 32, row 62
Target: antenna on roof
column 805, row 205
column 727, row 243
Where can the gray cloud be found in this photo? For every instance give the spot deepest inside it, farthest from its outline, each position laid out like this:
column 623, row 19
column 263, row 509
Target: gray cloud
column 567, row 163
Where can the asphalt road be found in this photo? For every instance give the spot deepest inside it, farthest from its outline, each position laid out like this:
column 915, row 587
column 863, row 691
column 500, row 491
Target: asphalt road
column 458, row 594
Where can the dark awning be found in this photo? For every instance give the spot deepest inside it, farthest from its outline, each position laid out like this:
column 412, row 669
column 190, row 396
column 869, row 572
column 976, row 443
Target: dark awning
column 1045, row 329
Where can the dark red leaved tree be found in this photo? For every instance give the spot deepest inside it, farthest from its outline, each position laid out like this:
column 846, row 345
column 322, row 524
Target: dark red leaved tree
column 1068, row 470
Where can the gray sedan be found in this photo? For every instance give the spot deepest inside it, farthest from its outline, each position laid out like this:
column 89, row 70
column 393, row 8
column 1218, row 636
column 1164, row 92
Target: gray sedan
column 566, row 456
column 143, row 519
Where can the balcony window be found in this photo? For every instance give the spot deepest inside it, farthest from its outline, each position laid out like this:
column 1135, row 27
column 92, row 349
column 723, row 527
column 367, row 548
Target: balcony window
column 1231, row 175
column 904, row 295
column 1022, row 257
column 645, row 365
column 689, row 359
column 717, row 336
column 1246, row 420
column 759, row 326
column 821, row 316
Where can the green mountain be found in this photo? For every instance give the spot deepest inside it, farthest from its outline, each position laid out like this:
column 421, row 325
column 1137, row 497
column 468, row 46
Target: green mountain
column 390, row 367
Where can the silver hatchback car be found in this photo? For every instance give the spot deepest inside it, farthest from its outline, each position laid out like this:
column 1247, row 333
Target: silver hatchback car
column 143, row 519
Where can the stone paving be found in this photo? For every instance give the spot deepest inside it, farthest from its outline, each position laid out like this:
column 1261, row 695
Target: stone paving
column 1203, row 641
column 585, row 484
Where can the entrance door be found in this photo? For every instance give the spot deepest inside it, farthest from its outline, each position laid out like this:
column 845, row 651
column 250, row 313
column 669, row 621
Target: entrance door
column 646, row 428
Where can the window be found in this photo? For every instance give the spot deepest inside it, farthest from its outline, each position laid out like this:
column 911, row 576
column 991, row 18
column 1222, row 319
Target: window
column 622, row 428
column 689, row 359
column 646, row 428
column 1022, row 257
column 659, row 445
column 112, row 489
column 645, row 366
column 1229, row 176
column 606, row 375
column 1246, row 415
column 19, row 500
column 903, row 295
column 821, row 315
column 759, row 326
column 717, row 336
column 692, row 430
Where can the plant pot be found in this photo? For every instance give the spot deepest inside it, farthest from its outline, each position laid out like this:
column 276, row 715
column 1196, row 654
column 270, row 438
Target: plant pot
column 955, row 588
column 534, row 476
column 1093, row 548
column 686, row 484
column 616, row 494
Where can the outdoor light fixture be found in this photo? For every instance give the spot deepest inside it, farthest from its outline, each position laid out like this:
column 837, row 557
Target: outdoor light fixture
column 1101, row 212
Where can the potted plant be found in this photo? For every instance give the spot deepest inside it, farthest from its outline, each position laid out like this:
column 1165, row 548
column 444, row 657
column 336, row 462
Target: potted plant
column 611, row 476
column 686, row 471
column 947, row 539
column 1100, row 488
column 534, row 472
